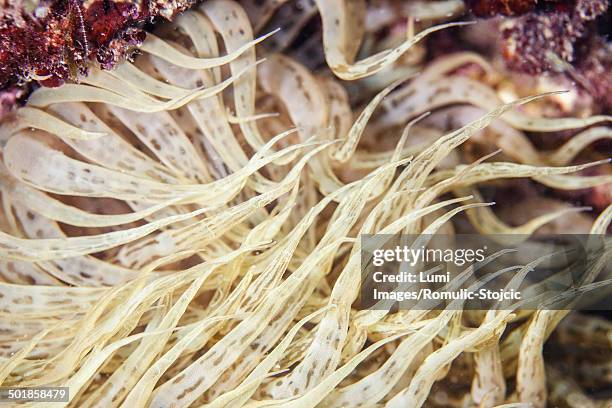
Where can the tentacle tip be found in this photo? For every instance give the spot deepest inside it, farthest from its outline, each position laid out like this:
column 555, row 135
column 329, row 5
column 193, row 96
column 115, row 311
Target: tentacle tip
column 463, row 23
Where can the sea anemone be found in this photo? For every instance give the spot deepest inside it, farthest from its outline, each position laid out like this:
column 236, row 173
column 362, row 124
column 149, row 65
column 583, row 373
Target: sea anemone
column 184, row 230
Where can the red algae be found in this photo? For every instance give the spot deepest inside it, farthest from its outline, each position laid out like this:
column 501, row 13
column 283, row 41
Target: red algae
column 555, row 36
column 539, row 41
column 52, row 41
column 489, row 8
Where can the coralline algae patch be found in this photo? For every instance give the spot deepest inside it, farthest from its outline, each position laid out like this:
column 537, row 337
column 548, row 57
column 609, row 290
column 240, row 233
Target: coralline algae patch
column 51, row 41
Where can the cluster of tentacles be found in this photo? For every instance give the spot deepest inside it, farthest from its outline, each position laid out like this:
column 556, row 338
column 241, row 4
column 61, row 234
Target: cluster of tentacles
column 184, row 230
